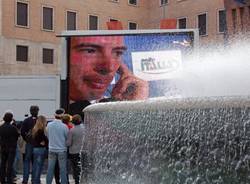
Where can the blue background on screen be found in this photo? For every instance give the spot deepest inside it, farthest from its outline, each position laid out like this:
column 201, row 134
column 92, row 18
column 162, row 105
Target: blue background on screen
column 156, row 42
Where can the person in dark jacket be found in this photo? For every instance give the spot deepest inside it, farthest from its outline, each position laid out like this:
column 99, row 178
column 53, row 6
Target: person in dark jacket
column 27, row 126
column 8, row 141
column 40, row 144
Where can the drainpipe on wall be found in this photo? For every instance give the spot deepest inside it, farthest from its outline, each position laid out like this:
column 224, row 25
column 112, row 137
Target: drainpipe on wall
column 163, row 11
column 226, row 36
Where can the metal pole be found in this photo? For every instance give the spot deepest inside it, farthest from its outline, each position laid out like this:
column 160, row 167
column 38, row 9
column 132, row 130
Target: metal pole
column 163, row 10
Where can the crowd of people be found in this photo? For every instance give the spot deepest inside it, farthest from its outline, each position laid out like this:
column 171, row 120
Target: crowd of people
column 58, row 140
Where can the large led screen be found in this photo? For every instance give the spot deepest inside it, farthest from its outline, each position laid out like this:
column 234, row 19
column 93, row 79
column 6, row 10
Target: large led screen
column 126, row 65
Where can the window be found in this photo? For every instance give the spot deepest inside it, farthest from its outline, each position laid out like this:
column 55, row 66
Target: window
column 241, row 17
column 22, row 14
column 132, row 25
column 234, row 19
column 182, row 23
column 48, row 55
column 133, row 2
column 222, row 21
column 47, row 18
column 163, row 2
column 93, row 22
column 202, row 24
column 71, row 20
column 22, row 53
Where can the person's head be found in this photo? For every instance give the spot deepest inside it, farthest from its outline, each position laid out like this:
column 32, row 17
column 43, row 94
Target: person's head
column 8, row 117
column 94, row 60
column 76, row 119
column 59, row 113
column 66, row 118
column 34, row 109
column 41, row 123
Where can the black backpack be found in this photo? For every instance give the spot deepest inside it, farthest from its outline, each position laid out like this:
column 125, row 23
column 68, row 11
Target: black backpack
column 28, row 136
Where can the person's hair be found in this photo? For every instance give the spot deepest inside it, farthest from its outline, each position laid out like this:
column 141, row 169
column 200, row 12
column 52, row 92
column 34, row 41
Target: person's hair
column 66, row 118
column 34, row 109
column 59, row 113
column 40, row 125
column 8, row 117
column 76, row 119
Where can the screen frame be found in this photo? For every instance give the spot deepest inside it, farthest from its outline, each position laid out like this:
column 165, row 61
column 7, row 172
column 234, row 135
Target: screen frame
column 124, row 32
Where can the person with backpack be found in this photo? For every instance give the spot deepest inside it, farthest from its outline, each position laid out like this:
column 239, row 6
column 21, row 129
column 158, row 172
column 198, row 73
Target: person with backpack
column 26, row 132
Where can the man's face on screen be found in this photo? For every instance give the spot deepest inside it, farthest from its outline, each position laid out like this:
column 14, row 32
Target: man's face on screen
column 94, row 60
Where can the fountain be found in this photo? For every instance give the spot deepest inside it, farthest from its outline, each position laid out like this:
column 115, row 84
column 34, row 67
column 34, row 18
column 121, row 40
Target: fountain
column 175, row 141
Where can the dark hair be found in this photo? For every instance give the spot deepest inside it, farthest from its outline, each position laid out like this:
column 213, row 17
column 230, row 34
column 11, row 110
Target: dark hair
column 76, row 119
column 59, row 113
column 8, row 117
column 34, row 110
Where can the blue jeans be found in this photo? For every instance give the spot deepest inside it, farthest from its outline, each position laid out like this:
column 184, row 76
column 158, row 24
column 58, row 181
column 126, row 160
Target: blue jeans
column 27, row 161
column 39, row 157
column 62, row 160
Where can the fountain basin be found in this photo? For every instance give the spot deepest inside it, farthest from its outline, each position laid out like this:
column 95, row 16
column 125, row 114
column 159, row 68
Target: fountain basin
column 175, row 141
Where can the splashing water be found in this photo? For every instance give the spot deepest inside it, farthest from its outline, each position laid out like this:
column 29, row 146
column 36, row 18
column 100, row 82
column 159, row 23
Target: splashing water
column 216, row 73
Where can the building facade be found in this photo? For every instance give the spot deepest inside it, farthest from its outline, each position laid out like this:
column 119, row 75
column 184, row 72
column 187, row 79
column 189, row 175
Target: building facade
column 238, row 19
column 195, row 14
column 28, row 28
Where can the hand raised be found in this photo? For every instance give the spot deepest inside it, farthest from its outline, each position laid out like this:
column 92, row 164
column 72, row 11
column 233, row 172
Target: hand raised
column 129, row 87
